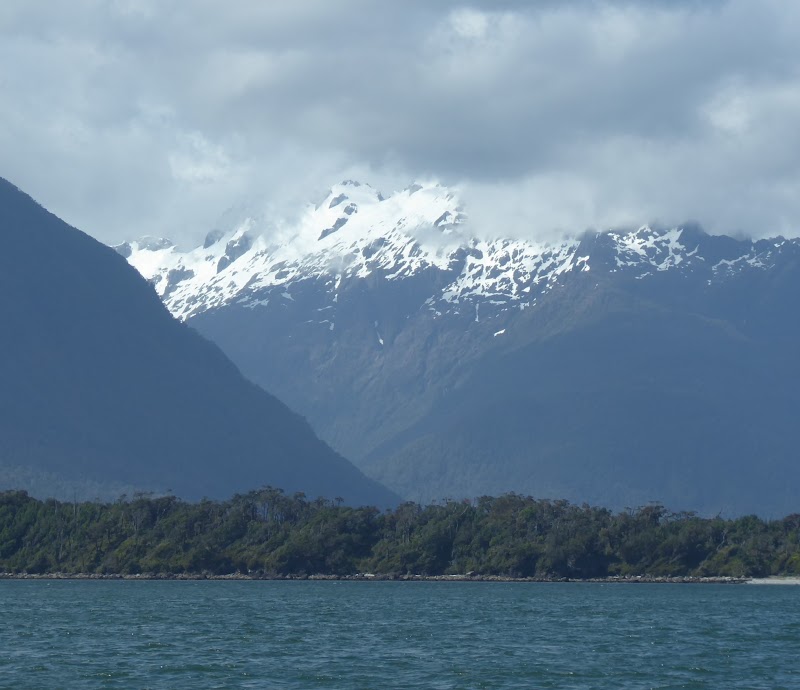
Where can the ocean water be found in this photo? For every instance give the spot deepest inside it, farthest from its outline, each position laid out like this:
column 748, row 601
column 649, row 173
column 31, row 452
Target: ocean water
column 139, row 634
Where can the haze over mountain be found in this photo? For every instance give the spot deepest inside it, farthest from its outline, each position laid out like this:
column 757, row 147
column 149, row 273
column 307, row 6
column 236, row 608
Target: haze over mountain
column 616, row 368
column 100, row 388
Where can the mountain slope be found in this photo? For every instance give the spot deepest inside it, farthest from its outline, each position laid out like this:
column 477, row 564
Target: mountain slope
column 640, row 403
column 619, row 367
column 100, row 385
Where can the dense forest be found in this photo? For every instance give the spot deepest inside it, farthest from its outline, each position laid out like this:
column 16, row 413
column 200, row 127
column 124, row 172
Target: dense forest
column 268, row 533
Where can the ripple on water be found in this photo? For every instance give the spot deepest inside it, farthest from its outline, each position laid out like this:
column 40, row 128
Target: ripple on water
column 444, row 636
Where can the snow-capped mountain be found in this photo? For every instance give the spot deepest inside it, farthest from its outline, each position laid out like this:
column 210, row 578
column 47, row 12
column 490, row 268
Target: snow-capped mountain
column 352, row 233
column 617, row 367
column 355, row 233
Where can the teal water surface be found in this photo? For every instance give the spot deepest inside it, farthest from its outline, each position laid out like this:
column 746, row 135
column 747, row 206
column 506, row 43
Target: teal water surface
column 131, row 634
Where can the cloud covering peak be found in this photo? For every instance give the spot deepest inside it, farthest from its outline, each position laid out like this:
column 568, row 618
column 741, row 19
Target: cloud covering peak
column 135, row 117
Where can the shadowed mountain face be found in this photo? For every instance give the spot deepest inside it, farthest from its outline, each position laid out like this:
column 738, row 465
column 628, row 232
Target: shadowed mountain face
column 101, row 389
column 609, row 391
column 618, row 368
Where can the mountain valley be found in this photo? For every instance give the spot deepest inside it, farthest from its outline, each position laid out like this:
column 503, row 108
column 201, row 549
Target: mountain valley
column 618, row 367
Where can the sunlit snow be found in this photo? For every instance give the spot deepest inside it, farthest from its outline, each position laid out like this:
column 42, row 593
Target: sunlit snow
column 355, row 232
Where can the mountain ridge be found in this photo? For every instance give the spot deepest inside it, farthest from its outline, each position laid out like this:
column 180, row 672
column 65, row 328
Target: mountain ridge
column 391, row 336
column 100, row 384
column 355, row 232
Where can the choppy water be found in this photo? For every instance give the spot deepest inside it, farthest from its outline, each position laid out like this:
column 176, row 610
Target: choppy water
column 128, row 634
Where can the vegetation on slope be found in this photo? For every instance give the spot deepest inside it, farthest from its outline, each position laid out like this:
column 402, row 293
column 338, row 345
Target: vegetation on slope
column 267, row 532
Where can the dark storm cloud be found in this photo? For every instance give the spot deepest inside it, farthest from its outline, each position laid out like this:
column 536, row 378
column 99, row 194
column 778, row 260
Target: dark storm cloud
column 135, row 116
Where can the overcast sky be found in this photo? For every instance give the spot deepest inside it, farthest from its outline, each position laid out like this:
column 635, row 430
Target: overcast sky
column 132, row 117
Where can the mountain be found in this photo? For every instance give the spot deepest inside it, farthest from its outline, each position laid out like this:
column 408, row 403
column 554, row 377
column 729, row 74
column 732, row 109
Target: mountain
column 100, row 388
column 617, row 367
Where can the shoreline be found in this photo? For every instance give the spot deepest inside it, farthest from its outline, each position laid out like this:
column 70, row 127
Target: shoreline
column 775, row 580
column 369, row 577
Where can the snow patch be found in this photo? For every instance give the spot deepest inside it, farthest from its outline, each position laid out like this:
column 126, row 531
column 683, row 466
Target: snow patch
column 355, row 233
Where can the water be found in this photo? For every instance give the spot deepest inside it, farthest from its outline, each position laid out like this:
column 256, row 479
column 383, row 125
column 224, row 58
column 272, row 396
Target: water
column 438, row 635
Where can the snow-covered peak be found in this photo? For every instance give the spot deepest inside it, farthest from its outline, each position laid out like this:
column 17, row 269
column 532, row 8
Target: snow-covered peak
column 355, row 232
column 145, row 243
column 659, row 249
column 352, row 232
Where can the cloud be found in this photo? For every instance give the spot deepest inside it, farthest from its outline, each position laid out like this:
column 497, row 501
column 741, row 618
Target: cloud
column 136, row 116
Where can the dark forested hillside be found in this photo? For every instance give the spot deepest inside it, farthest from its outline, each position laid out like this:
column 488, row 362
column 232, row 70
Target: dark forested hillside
column 101, row 387
column 618, row 398
column 268, row 533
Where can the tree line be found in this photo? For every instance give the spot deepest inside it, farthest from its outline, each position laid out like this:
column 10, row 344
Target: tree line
column 269, row 533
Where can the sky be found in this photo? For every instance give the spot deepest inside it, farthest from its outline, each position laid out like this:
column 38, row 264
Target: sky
column 155, row 117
